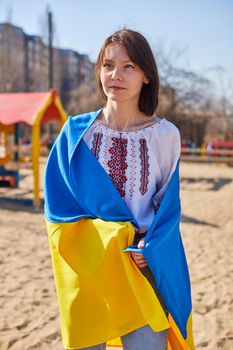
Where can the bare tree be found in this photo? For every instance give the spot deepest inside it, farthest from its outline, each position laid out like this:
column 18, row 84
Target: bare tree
column 189, row 88
column 44, row 33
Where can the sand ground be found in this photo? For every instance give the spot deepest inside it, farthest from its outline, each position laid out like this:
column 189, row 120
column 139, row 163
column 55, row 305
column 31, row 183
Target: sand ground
column 29, row 311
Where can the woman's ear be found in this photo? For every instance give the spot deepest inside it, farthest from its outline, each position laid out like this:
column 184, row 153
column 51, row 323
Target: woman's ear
column 146, row 80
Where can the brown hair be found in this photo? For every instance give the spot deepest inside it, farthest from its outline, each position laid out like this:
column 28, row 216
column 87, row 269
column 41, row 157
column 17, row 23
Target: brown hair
column 139, row 52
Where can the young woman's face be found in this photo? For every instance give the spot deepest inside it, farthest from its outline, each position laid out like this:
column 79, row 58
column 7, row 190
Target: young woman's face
column 121, row 79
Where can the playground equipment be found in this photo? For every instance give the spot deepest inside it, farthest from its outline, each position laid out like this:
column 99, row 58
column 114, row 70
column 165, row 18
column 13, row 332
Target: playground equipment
column 214, row 152
column 33, row 109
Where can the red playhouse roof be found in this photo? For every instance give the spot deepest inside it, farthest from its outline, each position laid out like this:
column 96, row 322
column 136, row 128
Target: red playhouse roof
column 24, row 107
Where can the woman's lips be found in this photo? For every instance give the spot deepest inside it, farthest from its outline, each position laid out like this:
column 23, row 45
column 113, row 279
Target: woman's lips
column 116, row 88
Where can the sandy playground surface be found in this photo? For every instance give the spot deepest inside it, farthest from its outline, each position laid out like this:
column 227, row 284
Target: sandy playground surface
column 29, row 311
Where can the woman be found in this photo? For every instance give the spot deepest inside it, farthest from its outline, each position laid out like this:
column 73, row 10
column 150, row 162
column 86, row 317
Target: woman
column 112, row 212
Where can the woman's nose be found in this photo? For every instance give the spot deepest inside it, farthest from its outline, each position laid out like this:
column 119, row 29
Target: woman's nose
column 116, row 73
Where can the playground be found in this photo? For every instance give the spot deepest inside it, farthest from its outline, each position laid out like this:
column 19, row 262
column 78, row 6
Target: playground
column 29, row 124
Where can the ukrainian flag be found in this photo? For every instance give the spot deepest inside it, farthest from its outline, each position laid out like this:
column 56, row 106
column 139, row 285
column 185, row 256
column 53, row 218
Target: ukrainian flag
column 101, row 292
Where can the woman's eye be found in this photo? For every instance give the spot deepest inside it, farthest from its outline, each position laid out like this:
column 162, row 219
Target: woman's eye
column 107, row 65
column 129, row 66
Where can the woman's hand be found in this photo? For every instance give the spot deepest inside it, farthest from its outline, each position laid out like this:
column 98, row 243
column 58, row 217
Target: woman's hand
column 138, row 257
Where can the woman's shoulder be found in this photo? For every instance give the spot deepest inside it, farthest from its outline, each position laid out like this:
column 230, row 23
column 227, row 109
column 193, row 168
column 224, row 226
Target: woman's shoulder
column 74, row 128
column 84, row 117
column 168, row 126
column 79, row 122
column 167, row 130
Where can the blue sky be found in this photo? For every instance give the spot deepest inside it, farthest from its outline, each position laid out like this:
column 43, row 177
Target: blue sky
column 202, row 28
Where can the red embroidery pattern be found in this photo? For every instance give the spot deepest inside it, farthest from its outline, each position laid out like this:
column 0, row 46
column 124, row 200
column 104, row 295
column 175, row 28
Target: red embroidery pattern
column 144, row 166
column 117, row 163
column 97, row 140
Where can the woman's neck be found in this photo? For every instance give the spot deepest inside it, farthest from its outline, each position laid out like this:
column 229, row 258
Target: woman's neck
column 122, row 117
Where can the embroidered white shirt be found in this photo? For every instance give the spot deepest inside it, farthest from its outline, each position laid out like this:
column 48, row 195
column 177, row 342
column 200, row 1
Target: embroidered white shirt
column 139, row 163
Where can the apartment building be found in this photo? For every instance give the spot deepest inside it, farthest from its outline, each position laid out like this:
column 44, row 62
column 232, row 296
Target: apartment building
column 75, row 69
column 24, row 63
column 12, row 58
column 36, row 64
column 86, row 70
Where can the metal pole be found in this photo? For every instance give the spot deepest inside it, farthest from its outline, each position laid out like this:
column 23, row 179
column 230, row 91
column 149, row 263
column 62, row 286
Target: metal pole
column 50, row 25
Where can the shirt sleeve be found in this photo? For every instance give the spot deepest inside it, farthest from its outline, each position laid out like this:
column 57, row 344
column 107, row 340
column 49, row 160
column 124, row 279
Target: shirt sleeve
column 170, row 154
